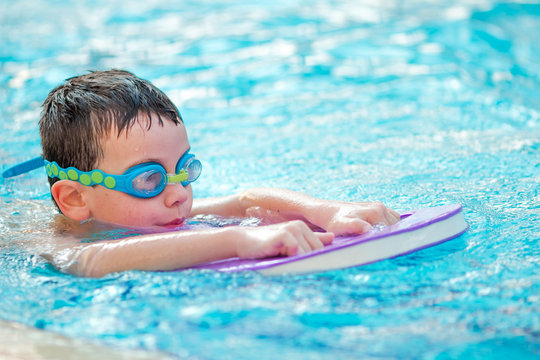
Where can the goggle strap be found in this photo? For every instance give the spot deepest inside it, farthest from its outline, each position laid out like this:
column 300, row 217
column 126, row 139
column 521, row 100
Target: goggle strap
column 24, row 167
column 87, row 178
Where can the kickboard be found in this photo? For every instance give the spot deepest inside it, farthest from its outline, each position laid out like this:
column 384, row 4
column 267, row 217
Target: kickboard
column 416, row 230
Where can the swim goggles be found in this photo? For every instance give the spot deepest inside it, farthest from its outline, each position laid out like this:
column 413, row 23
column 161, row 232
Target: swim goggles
column 143, row 181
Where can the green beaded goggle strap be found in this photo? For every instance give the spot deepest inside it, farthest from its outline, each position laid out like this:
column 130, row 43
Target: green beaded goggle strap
column 89, row 178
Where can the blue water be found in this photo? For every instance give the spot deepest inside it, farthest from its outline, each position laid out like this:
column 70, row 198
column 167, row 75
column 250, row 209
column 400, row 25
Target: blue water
column 416, row 104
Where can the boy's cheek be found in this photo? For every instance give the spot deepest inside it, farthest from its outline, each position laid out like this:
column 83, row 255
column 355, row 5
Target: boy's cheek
column 122, row 209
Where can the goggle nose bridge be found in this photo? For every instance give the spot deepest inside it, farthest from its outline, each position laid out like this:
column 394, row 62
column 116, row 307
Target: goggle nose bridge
column 178, row 178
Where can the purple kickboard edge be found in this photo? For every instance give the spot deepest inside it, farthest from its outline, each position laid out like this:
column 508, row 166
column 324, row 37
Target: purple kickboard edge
column 410, row 221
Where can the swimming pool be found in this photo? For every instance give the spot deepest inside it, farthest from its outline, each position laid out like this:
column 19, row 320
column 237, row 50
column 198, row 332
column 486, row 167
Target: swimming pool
column 416, row 104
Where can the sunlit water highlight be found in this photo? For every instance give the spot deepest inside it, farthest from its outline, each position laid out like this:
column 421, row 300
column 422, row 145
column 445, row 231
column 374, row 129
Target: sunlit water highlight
column 416, row 104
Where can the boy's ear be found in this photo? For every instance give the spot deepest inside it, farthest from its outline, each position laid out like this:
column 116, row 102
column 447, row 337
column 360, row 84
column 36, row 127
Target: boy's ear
column 68, row 196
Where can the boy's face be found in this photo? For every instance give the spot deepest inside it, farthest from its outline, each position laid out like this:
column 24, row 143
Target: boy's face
column 161, row 144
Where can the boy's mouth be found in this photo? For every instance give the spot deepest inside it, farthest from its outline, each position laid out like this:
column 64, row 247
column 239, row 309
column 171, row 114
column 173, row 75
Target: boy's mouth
column 175, row 222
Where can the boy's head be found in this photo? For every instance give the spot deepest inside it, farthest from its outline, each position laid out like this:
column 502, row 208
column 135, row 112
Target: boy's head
column 114, row 121
column 79, row 114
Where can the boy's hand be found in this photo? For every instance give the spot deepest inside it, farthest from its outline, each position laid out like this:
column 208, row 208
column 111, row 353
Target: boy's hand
column 287, row 238
column 343, row 218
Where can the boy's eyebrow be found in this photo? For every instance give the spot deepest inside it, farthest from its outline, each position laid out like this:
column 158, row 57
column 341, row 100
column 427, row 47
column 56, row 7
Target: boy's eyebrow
column 144, row 161
column 152, row 160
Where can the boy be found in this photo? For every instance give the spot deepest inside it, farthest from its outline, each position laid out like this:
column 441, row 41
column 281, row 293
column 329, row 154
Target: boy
column 117, row 152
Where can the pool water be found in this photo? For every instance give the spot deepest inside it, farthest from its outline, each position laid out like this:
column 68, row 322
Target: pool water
column 416, row 104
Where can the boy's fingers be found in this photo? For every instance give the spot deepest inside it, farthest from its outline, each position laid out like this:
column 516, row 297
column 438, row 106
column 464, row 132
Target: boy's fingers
column 376, row 213
column 326, row 238
column 396, row 215
column 312, row 242
column 303, row 247
column 346, row 226
column 301, row 240
column 391, row 217
column 289, row 246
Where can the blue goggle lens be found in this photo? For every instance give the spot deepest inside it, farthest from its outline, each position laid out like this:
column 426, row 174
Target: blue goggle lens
column 147, row 182
column 193, row 167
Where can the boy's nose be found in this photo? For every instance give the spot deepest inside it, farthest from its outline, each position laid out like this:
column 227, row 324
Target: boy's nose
column 175, row 194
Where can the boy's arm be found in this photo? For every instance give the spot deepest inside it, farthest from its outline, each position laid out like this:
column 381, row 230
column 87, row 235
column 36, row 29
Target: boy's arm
column 168, row 251
column 275, row 205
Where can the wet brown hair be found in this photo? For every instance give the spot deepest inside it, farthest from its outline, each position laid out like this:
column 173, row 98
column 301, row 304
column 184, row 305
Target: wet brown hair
column 79, row 114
